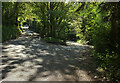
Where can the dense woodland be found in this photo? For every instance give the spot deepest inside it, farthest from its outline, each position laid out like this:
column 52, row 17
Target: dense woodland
column 95, row 23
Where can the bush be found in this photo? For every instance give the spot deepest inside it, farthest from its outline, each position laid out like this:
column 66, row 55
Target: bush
column 110, row 62
column 84, row 42
column 54, row 40
column 10, row 32
column 106, row 53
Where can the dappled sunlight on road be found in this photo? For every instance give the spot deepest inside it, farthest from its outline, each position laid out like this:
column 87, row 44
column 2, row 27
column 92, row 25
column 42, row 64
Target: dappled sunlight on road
column 32, row 59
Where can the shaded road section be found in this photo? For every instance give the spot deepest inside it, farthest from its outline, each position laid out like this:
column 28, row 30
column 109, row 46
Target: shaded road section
column 29, row 58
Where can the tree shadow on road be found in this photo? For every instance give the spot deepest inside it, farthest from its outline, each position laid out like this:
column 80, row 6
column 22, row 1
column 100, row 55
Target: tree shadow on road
column 32, row 59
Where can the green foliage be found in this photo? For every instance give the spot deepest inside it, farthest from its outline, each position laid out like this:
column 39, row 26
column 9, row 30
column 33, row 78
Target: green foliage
column 54, row 40
column 100, row 26
column 110, row 62
column 82, row 41
column 13, row 14
column 10, row 32
column 53, row 19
